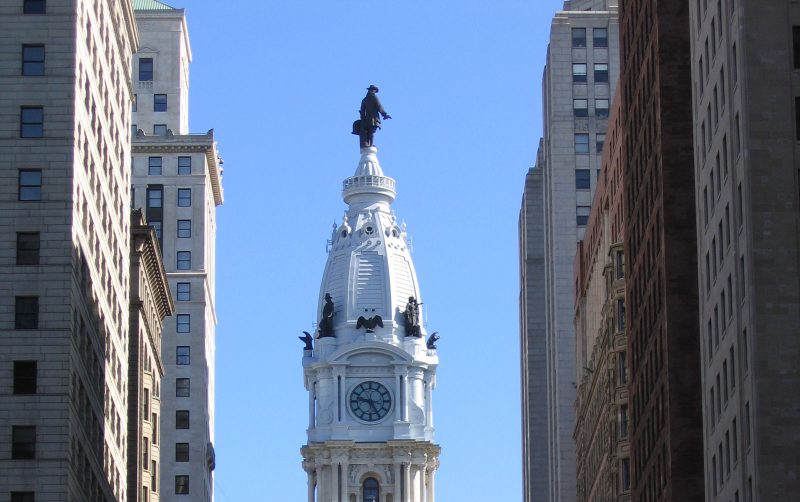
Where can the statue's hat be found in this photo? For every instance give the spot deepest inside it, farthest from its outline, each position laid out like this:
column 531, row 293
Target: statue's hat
column 372, row 87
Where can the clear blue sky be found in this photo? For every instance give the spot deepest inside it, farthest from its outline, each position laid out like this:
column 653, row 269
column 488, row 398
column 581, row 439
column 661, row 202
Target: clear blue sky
column 281, row 82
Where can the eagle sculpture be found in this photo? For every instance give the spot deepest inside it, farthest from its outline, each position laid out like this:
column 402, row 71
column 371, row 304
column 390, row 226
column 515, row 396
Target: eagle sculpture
column 431, row 343
column 370, row 323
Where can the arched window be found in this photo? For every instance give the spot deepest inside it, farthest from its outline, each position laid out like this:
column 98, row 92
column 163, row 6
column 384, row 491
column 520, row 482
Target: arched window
column 371, row 491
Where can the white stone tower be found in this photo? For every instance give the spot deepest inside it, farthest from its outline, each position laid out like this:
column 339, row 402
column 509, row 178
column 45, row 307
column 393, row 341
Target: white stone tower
column 370, row 428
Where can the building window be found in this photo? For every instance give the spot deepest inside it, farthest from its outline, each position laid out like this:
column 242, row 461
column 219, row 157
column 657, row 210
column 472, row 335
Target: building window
column 579, row 37
column 181, row 452
column 581, row 143
column 601, row 108
column 160, row 129
column 155, row 197
column 182, row 355
column 134, row 130
column 600, row 73
column 27, row 248
column 619, row 264
column 23, row 442
column 33, row 7
column 371, row 490
column 623, row 421
column 620, row 314
column 582, row 179
column 582, row 215
column 796, row 46
column 157, row 226
column 600, row 140
column 184, row 291
column 25, row 373
column 26, row 312
column 797, row 118
column 182, row 419
column 184, row 229
column 145, row 69
column 579, row 73
column 600, row 37
column 23, row 496
column 625, row 475
column 31, row 122
column 33, row 60
column 184, row 197
column 181, row 485
column 183, row 323
column 184, row 165
column 622, row 368
column 159, row 102
column 184, row 260
column 182, row 387
column 580, row 107
column 735, row 64
column 154, row 166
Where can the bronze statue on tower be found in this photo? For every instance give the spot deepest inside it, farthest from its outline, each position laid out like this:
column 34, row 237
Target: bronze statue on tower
column 371, row 112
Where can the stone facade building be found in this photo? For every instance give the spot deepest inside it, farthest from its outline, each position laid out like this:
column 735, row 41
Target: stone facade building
column 177, row 180
column 150, row 302
column 745, row 58
column 602, row 408
column 64, row 248
column 660, row 253
column 579, row 79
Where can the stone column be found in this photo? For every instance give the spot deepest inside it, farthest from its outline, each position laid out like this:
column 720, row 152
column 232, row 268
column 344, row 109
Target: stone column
column 312, row 395
column 428, row 405
column 407, row 483
column 311, row 480
column 397, row 479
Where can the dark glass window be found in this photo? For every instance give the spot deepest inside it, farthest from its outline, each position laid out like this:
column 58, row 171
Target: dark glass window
column 371, row 490
column 181, row 452
column 796, row 46
column 600, row 37
column 154, row 166
column 184, row 197
column 580, row 107
column 160, row 103
column 183, row 323
column 184, row 229
column 582, row 215
column 23, row 442
column 30, row 184
column 579, row 73
column 583, row 179
column 184, row 260
column 27, row 248
column 600, row 140
column 581, row 143
column 160, row 129
column 33, row 60
column 23, row 496
column 600, row 73
column 184, row 165
column 25, row 377
column 182, row 355
column 31, row 122
column 601, row 108
column 182, row 387
column 154, row 197
column 182, row 419
column 184, row 291
column 34, row 7
column 181, row 485
column 26, row 312
column 579, row 37
column 145, row 69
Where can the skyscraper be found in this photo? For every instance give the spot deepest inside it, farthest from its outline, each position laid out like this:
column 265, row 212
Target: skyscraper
column 660, row 253
column 65, row 230
column 578, row 83
column 370, row 375
column 177, row 180
column 745, row 73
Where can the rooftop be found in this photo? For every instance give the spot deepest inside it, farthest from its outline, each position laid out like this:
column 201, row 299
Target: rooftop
column 151, row 5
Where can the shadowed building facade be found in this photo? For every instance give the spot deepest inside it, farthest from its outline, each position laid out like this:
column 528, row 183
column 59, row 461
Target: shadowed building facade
column 746, row 87
column 660, row 252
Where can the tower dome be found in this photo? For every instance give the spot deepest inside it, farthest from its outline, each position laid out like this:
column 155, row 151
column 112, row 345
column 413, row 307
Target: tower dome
column 369, row 271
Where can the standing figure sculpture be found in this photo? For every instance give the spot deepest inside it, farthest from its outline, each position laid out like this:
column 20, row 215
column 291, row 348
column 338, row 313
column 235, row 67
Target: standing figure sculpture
column 412, row 317
column 326, row 323
column 371, row 112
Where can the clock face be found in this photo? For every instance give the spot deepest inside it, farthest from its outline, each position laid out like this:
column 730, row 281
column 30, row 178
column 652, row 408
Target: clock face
column 370, row 401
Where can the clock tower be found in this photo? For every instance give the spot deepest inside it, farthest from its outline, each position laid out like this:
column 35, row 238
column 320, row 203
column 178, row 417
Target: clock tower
column 370, row 373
